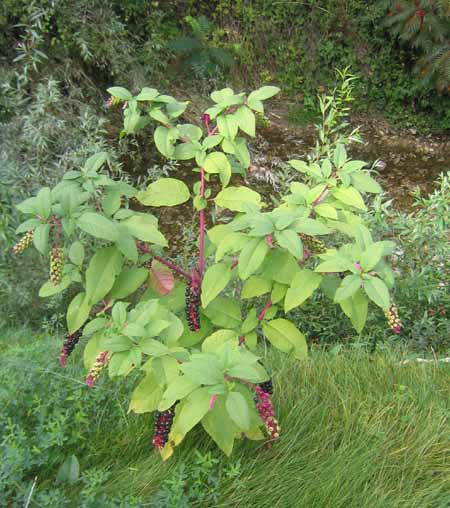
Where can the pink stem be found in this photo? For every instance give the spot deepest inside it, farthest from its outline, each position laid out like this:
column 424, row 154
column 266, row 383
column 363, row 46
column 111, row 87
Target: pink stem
column 266, row 308
column 201, row 259
column 143, row 248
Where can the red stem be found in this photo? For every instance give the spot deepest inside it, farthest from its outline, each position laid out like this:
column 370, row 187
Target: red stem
column 266, row 308
column 143, row 248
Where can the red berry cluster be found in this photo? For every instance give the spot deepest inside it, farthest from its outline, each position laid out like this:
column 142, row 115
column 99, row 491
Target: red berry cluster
column 163, row 424
column 68, row 346
column 393, row 319
column 265, row 410
column 267, row 387
column 193, row 304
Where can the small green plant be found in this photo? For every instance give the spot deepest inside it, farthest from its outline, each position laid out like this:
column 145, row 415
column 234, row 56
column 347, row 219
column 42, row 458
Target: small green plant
column 195, row 340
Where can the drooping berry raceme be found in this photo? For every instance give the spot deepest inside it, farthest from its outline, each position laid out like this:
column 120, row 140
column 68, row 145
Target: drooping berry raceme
column 163, row 425
column 56, row 265
column 68, row 346
column 315, row 245
column 267, row 387
column 193, row 293
column 265, row 410
column 100, row 363
column 393, row 319
column 24, row 243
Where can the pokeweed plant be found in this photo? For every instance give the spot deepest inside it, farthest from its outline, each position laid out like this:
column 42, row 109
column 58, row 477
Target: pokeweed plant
column 197, row 351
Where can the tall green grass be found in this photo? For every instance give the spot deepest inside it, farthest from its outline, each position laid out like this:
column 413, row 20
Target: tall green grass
column 358, row 431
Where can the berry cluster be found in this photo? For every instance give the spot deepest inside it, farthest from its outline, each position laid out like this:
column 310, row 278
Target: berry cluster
column 24, row 243
column 193, row 304
column 265, row 410
column 68, row 346
column 314, row 244
column 56, row 265
column 267, row 387
column 393, row 319
column 100, row 363
column 163, row 424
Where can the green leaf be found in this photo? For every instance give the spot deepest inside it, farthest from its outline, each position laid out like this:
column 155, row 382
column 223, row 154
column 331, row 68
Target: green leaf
column 220, row 426
column 101, row 273
column 252, row 257
column 50, row 289
column 40, row 238
column 146, row 396
column 44, row 203
column 325, row 210
column 263, row 93
column 93, row 348
column 212, row 141
column 339, row 155
column 289, row 240
column 310, row 227
column 118, row 343
column 147, row 94
column 372, row 256
column 128, row 282
column 164, row 192
column 120, row 92
column 224, row 312
column 69, row 472
column 241, row 151
column 250, row 322
column 203, row 369
column 96, row 161
column 252, row 373
column 217, row 162
column 28, row 225
column 238, row 410
column 111, row 201
column 178, row 389
column 348, row 288
column 121, row 364
column 165, row 139
column 127, row 244
column 378, row 292
column 278, row 292
column 280, row 266
column 215, row 341
column 99, row 226
column 157, row 114
column 231, row 242
column 153, row 347
column 143, row 228
column 255, row 286
column 236, row 198
column 119, row 313
column 77, row 312
column 76, row 253
column 365, row 183
column 228, row 126
column 189, row 132
column 303, row 286
column 246, row 120
column 355, row 308
column 349, row 196
column 300, row 166
column 195, row 408
column 215, row 280
column 285, row 336
column 221, row 95
column 185, row 151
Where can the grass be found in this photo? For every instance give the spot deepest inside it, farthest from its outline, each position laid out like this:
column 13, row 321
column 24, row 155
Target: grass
column 358, row 430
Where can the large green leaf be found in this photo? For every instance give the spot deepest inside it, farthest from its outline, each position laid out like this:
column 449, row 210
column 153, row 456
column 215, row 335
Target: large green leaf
column 99, row 226
column 238, row 410
column 44, row 203
column 203, row 368
column 355, row 308
column 40, row 238
column 349, row 196
column 255, row 286
column 372, row 256
column 128, row 282
column 236, row 198
column 77, row 312
column 120, row 92
column 365, row 183
column 303, row 286
column 216, row 162
column 263, row 93
column 252, row 257
column 231, row 242
column 280, row 266
column 121, row 364
column 378, row 292
column 164, row 192
column 285, row 336
column 348, row 288
column 215, row 280
column 143, row 228
column 195, row 408
column 224, row 312
column 228, row 126
column 215, row 341
column 289, row 240
column 220, row 426
column 178, row 389
column 165, row 139
column 146, row 396
column 101, row 273
column 246, row 120
column 76, row 253
column 50, row 289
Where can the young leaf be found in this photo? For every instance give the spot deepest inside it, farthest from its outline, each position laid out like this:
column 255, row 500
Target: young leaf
column 246, row 120
column 263, row 93
column 303, row 286
column 355, row 308
column 215, row 280
column 164, row 192
column 237, row 409
column 372, row 256
column 289, row 240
